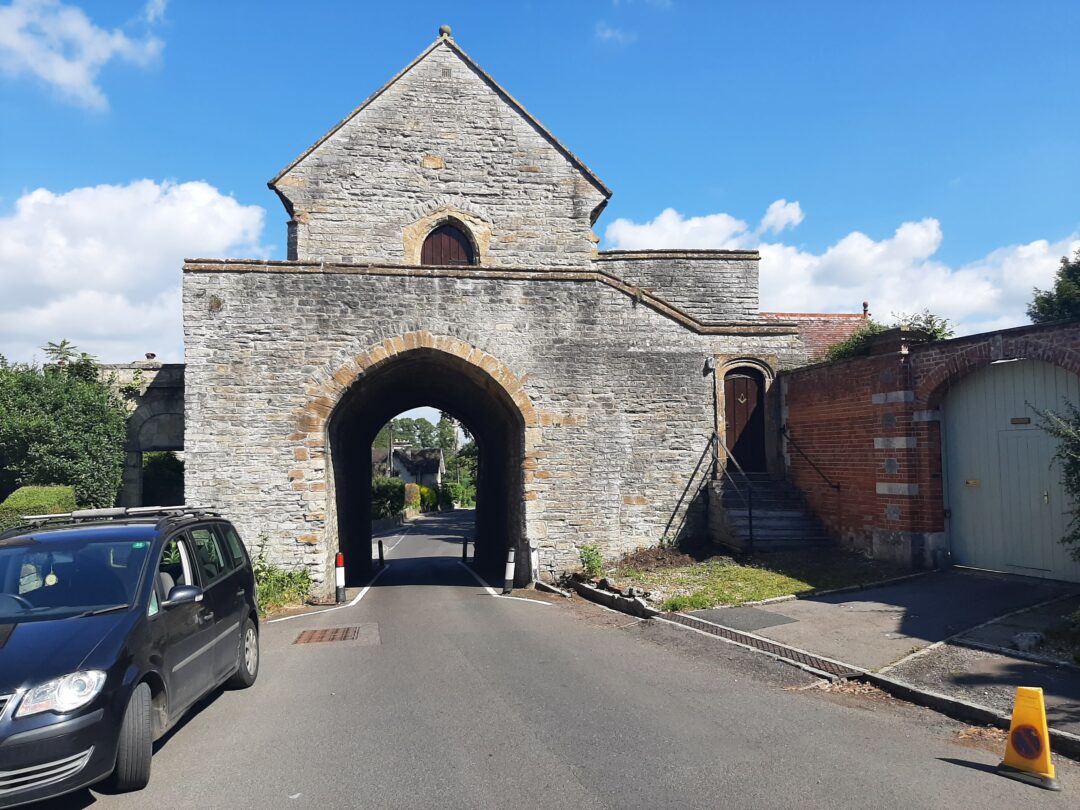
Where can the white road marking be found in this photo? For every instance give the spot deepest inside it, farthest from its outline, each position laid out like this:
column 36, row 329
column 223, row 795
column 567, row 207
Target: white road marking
column 402, row 537
column 353, row 603
column 494, row 592
column 476, row 576
column 521, row 599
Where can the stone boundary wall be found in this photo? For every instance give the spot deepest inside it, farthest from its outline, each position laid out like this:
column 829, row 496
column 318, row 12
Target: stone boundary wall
column 872, row 425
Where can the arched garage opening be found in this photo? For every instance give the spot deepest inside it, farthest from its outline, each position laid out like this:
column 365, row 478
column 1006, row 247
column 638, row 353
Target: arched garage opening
column 444, row 381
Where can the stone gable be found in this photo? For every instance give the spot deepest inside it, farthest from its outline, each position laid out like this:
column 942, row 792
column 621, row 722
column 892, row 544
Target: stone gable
column 441, row 130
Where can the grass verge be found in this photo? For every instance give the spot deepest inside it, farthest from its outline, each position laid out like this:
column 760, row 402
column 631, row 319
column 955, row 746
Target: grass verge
column 726, row 581
column 278, row 588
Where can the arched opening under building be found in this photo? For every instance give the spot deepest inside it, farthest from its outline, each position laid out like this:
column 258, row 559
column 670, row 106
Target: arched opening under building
column 744, row 417
column 433, row 378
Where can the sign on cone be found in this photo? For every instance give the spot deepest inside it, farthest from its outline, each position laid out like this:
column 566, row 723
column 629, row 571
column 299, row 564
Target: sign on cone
column 1027, row 754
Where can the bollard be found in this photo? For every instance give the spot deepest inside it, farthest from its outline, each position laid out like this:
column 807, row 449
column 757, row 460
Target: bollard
column 382, row 557
column 339, row 576
column 508, row 583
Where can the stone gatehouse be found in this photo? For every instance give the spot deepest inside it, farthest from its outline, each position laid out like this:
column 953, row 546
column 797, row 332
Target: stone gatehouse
column 441, row 253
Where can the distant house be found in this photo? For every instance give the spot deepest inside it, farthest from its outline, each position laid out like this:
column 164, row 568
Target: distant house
column 412, row 465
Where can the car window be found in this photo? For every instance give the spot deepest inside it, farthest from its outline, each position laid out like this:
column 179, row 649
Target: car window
column 209, row 555
column 232, row 544
column 174, row 568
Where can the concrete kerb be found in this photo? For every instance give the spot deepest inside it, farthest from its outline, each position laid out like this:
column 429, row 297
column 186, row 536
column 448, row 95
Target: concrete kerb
column 1062, row 742
column 540, row 585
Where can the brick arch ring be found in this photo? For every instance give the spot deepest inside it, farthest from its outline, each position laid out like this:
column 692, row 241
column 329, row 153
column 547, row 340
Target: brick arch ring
column 326, row 392
column 933, row 388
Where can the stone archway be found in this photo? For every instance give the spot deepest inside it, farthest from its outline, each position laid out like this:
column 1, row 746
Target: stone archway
column 414, row 370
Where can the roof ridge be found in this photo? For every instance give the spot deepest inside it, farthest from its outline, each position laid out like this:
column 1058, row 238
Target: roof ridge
column 448, row 41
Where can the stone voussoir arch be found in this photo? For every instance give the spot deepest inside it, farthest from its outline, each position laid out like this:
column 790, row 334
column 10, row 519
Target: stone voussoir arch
column 326, row 392
column 931, row 389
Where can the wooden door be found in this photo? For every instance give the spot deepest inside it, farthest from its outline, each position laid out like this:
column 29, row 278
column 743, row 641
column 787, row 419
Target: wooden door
column 446, row 245
column 744, row 416
column 1007, row 507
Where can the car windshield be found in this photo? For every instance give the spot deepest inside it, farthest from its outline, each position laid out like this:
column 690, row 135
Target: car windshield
column 41, row 580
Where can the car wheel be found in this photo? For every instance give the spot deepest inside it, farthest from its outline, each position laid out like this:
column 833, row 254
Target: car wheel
column 248, row 668
column 135, row 748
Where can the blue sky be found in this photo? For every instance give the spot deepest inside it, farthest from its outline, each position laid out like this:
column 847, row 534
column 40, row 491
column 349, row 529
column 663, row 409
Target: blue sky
column 913, row 154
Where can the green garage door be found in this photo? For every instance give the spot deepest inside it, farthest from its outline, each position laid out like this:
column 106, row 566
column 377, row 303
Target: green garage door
column 1008, row 508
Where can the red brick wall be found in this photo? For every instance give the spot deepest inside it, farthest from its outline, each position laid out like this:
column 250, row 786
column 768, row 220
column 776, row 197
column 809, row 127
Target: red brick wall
column 872, row 426
column 819, row 331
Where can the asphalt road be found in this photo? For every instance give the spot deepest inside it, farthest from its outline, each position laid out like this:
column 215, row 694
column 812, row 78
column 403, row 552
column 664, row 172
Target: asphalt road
column 452, row 698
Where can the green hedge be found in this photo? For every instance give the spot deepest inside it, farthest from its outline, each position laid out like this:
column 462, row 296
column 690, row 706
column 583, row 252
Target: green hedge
column 387, row 496
column 35, row 501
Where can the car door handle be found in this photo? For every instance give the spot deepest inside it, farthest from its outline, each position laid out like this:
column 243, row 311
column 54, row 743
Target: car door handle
column 206, row 616
column 241, row 592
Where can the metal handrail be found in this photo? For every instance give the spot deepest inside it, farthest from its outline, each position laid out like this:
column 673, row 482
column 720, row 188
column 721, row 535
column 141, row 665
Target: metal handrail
column 747, row 499
column 810, row 461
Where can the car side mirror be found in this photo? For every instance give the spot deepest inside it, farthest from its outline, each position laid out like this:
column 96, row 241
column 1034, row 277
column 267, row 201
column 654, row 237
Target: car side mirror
column 183, row 595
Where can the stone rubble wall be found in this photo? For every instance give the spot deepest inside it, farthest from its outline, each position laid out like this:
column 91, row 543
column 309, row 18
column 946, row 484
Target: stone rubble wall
column 712, row 286
column 623, row 399
column 440, row 139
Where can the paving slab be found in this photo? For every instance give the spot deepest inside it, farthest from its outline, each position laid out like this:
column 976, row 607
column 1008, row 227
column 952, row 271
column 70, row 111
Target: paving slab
column 873, row 627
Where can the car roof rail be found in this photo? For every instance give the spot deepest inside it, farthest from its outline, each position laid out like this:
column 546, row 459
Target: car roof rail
column 120, row 513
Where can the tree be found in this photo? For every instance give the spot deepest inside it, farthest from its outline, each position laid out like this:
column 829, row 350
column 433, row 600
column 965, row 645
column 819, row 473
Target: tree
column 1065, row 427
column 447, row 435
column 1062, row 301
column 62, row 352
column 61, row 425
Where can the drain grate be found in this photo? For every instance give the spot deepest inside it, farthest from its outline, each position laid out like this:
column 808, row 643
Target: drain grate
column 328, row 634
column 791, row 654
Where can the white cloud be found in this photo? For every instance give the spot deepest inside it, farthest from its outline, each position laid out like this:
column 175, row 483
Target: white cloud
column 896, row 274
column 781, row 215
column 154, row 10
column 615, row 36
column 60, row 45
column 101, row 265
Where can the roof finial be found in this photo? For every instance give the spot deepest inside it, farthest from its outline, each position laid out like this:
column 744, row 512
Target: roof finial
column 866, row 309
column 444, row 31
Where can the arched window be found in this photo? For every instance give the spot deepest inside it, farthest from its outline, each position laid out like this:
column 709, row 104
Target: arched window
column 447, row 245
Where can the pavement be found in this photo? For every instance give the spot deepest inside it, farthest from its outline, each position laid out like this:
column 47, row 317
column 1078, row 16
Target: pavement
column 874, row 627
column 447, row 696
column 923, row 631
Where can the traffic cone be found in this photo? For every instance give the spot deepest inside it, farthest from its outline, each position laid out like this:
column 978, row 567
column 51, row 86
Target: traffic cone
column 1027, row 753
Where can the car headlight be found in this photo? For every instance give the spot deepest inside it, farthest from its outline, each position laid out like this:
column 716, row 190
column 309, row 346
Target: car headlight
column 64, row 694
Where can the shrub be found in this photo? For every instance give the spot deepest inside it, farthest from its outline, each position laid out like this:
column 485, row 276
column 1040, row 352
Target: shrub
column 277, row 587
column 387, row 496
column 855, row 344
column 61, row 425
column 35, row 501
column 446, row 496
column 412, row 496
column 1064, row 426
column 429, row 499
column 592, row 561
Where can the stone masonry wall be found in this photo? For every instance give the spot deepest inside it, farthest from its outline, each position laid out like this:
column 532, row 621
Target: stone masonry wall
column 623, row 403
column 713, row 286
column 441, row 139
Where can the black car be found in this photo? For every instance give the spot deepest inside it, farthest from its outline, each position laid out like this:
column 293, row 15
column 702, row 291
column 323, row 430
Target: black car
column 112, row 624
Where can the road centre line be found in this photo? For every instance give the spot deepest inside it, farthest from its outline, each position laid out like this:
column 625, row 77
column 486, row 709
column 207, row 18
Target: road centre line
column 353, row 603
column 400, row 538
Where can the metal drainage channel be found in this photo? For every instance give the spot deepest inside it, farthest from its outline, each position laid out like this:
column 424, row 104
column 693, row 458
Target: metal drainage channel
column 328, row 634
column 826, row 666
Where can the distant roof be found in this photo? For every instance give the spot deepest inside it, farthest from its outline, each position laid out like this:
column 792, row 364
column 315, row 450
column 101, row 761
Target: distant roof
column 416, row 460
column 445, row 39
